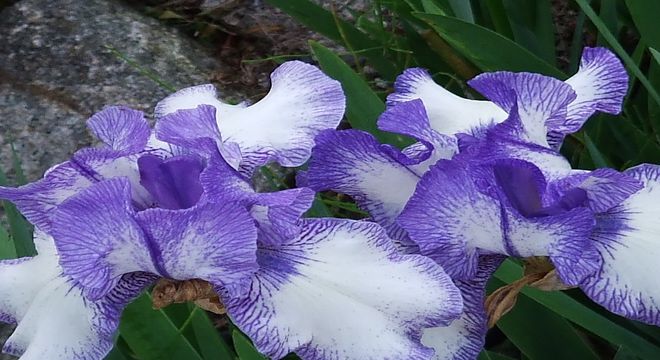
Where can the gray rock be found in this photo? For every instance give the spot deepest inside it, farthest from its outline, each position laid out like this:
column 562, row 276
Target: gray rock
column 61, row 63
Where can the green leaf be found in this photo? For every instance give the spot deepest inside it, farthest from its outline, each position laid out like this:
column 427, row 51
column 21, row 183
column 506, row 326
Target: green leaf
column 152, row 335
column 581, row 315
column 624, row 354
column 498, row 16
column 211, row 344
column 487, row 49
column 7, row 249
column 116, row 354
column 599, row 159
column 244, row 347
column 645, row 17
column 318, row 209
column 363, row 105
column 532, row 26
column 656, row 55
column 541, row 334
column 20, row 229
column 326, row 23
column 462, row 9
column 491, row 355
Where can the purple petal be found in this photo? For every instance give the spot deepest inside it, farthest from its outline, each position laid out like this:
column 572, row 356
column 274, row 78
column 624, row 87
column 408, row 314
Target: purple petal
column 604, row 188
column 173, row 183
column 449, row 114
column 121, row 128
column 352, row 162
column 541, row 101
column 449, row 218
column 38, row 200
column 498, row 145
column 97, row 238
column 465, row 338
column 409, row 118
column 281, row 127
column 47, row 305
column 278, row 214
column 212, row 242
column 522, row 182
column 626, row 237
column 197, row 129
column 339, row 281
column 600, row 84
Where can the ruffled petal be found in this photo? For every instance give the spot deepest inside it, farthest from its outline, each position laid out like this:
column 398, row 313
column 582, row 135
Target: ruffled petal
column 55, row 321
column 279, row 214
column 97, row 238
column 302, row 102
column 212, row 242
column 449, row 114
column 499, row 144
column 120, row 128
column 352, row 162
column 538, row 101
column 604, row 188
column 276, row 213
column 192, row 97
column 21, row 279
column 197, row 129
column 449, row 219
column 38, row 200
column 339, row 281
column 461, row 209
column 628, row 238
column 600, row 84
column 410, row 118
column 465, row 338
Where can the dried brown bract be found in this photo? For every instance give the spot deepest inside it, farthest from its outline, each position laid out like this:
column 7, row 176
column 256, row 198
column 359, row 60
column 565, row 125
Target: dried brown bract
column 167, row 292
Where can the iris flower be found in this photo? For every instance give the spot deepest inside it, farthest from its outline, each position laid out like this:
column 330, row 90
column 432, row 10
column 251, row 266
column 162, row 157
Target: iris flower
column 177, row 202
column 484, row 177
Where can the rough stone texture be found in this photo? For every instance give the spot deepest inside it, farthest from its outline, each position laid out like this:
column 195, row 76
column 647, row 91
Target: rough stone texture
column 56, row 70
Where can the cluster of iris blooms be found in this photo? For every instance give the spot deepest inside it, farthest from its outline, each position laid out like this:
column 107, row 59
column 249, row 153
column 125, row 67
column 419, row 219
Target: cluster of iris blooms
column 484, row 180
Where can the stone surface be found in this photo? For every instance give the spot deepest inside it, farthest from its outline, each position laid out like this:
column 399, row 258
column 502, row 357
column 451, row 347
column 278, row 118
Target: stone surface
column 61, row 63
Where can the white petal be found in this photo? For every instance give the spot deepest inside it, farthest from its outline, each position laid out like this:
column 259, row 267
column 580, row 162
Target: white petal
column 628, row 238
column 340, row 291
column 449, row 113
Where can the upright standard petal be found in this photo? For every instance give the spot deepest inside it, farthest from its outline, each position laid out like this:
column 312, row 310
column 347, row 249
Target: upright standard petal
column 628, row 239
column 197, row 130
column 97, row 238
column 449, row 114
column 600, row 85
column 281, row 127
column 192, row 97
column 410, row 118
column 121, row 129
column 339, row 281
column 352, row 162
column 539, row 101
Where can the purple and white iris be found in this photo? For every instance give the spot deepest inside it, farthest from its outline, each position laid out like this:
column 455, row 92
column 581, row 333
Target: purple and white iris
column 177, row 202
column 485, row 179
